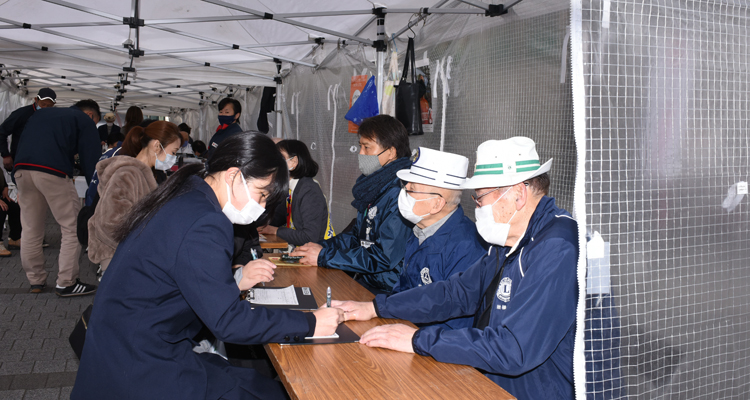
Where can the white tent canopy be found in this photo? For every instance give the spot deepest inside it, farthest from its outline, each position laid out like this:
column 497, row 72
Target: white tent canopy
column 192, row 50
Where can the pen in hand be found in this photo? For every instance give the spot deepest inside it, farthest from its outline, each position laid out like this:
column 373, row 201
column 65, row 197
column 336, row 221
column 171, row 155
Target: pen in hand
column 255, row 257
column 328, row 297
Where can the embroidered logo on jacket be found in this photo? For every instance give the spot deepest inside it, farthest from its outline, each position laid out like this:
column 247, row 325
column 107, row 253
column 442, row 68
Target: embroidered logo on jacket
column 503, row 290
column 372, row 213
column 425, row 273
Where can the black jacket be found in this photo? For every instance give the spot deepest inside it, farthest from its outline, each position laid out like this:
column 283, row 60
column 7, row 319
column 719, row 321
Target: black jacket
column 13, row 126
column 309, row 214
column 52, row 138
column 104, row 134
column 219, row 137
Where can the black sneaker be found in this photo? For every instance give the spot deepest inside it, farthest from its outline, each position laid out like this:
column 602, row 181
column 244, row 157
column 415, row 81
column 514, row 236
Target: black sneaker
column 37, row 288
column 79, row 289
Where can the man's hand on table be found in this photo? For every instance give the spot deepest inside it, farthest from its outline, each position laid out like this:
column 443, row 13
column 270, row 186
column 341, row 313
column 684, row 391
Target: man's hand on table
column 395, row 337
column 356, row 310
column 309, row 252
column 327, row 320
column 256, row 271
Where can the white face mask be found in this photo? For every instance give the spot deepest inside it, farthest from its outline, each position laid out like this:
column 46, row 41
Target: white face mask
column 168, row 162
column 491, row 231
column 249, row 213
column 406, row 207
column 110, row 123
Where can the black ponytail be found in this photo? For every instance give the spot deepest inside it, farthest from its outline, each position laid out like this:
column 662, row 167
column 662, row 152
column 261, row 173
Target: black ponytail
column 253, row 153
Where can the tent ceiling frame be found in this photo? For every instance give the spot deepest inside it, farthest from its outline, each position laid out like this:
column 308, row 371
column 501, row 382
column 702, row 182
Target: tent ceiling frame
column 293, row 22
column 174, row 31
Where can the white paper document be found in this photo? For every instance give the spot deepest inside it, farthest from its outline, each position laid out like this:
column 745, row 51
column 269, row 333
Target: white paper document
column 273, row 297
column 334, row 336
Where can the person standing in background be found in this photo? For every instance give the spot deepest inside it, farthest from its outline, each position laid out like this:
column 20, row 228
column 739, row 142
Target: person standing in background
column 229, row 116
column 14, row 124
column 44, row 175
column 133, row 117
column 108, row 128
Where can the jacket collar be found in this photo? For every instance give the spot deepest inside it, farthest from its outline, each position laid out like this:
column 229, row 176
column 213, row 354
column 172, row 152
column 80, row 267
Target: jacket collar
column 200, row 185
column 438, row 239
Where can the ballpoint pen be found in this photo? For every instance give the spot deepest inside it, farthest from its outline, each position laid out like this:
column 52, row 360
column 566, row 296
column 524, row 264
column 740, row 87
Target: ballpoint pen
column 255, row 257
column 328, row 297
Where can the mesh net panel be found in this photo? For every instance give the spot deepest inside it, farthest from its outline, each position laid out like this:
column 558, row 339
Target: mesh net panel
column 666, row 131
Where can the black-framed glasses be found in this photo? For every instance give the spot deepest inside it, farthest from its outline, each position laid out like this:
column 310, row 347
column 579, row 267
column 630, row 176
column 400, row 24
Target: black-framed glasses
column 478, row 199
column 403, row 186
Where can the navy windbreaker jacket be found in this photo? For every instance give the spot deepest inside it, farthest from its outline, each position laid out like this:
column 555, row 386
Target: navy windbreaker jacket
column 527, row 348
column 375, row 246
column 13, row 127
column 452, row 249
column 52, row 138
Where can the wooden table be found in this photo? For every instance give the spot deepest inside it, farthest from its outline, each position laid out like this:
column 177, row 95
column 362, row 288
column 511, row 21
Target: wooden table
column 354, row 371
column 273, row 242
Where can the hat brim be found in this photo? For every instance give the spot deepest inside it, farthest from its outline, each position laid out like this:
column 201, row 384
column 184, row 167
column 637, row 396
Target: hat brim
column 406, row 175
column 488, row 181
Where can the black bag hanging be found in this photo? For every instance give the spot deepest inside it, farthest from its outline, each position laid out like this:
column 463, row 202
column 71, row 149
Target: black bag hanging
column 78, row 336
column 408, row 110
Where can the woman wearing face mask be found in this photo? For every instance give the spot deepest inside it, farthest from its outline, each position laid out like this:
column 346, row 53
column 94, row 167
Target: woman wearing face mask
column 172, row 274
column 306, row 214
column 123, row 181
column 229, row 117
column 375, row 247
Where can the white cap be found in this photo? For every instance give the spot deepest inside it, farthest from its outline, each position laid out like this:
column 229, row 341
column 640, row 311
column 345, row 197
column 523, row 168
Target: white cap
column 505, row 163
column 436, row 168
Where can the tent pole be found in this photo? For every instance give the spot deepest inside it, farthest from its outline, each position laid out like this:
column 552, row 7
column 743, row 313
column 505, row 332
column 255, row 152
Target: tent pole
column 381, row 46
column 278, row 99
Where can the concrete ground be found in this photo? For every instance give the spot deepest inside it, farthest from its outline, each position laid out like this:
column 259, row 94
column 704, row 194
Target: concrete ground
column 36, row 361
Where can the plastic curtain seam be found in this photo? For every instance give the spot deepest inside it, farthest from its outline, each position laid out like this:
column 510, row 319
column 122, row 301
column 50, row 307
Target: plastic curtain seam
column 444, row 75
column 295, row 110
column 579, row 194
column 333, row 91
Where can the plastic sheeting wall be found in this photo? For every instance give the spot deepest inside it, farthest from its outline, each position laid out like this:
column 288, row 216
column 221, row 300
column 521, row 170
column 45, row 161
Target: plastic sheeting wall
column 667, row 110
column 505, row 80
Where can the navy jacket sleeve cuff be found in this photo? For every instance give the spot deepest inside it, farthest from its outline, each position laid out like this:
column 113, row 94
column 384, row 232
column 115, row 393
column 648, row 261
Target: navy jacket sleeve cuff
column 375, row 304
column 414, row 343
column 311, row 321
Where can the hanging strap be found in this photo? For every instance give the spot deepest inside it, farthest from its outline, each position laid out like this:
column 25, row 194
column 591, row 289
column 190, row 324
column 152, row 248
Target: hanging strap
column 484, row 318
column 409, row 62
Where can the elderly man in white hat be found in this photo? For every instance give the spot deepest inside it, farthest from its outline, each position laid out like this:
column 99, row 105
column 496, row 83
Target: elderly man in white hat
column 445, row 241
column 108, row 128
column 522, row 293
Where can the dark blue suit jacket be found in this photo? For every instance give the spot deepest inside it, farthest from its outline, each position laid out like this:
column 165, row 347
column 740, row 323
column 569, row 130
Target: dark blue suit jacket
column 167, row 279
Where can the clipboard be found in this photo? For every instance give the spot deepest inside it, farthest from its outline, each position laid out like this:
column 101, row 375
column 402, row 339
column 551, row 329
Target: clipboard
column 305, row 299
column 345, row 336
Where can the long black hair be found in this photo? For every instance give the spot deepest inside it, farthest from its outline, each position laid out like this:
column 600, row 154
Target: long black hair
column 306, row 166
column 254, row 153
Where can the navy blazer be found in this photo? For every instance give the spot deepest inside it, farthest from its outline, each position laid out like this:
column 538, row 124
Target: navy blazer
column 168, row 278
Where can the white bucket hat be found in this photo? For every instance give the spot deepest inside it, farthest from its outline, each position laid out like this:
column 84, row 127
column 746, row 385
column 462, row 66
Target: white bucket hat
column 505, row 163
column 436, row 168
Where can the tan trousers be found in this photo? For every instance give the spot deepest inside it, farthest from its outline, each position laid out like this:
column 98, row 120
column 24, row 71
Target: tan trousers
column 38, row 192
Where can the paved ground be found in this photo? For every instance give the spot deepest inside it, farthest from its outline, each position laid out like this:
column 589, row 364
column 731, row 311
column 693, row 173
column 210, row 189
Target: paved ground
column 36, row 361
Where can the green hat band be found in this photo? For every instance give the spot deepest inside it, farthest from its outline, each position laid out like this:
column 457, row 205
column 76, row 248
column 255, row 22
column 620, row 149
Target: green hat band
column 497, row 169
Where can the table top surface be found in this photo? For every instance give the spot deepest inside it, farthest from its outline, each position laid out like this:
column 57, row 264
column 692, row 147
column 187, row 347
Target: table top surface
column 355, row 371
column 273, row 242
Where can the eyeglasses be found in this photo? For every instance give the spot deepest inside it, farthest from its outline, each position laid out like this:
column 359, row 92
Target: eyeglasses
column 478, row 199
column 403, row 186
